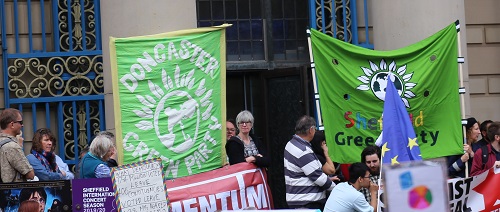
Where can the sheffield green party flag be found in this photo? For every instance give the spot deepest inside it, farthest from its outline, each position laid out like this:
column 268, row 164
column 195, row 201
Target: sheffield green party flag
column 352, row 82
column 169, row 99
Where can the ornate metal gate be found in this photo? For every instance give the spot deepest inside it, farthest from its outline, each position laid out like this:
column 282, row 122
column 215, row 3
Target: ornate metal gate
column 52, row 68
column 339, row 18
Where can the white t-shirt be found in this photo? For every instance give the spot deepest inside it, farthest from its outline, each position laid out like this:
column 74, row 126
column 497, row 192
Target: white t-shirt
column 345, row 198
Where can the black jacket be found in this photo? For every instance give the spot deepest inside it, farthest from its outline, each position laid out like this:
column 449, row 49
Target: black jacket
column 235, row 152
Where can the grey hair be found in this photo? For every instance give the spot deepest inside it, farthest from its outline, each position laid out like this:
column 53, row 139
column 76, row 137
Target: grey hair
column 244, row 116
column 304, row 124
column 100, row 146
column 108, row 134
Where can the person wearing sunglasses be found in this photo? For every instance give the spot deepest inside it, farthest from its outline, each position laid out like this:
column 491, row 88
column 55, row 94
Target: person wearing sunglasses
column 14, row 167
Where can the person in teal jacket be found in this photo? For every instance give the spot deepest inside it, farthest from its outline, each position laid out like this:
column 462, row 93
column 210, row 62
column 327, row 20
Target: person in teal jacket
column 93, row 164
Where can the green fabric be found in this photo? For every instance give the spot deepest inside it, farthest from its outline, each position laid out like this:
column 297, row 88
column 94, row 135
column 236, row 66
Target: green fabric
column 170, row 96
column 351, row 87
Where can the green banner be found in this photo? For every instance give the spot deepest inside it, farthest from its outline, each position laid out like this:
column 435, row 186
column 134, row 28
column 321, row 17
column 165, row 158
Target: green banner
column 352, row 80
column 169, row 99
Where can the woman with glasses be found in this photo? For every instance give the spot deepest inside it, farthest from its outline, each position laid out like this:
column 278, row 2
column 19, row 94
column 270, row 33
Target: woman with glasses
column 43, row 158
column 34, row 194
column 244, row 147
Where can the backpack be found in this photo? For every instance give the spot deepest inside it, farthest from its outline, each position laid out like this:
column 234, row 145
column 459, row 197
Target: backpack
column 3, row 142
column 484, row 154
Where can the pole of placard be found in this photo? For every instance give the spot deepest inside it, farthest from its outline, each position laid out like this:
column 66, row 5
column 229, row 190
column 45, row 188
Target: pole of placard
column 315, row 85
column 462, row 92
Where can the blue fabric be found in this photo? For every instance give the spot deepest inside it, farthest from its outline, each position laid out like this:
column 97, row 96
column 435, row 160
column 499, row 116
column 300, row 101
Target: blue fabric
column 102, row 171
column 88, row 166
column 63, row 166
column 397, row 129
column 41, row 171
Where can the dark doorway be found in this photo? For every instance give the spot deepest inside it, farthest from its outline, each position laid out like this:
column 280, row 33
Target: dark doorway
column 285, row 103
column 276, row 99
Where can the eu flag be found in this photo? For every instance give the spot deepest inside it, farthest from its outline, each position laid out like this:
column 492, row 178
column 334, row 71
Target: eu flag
column 399, row 142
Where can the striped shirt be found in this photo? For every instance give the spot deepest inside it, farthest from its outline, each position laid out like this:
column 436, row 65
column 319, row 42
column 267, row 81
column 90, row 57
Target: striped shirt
column 304, row 179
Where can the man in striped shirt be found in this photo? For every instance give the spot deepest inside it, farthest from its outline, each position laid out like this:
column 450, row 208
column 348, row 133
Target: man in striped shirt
column 304, row 180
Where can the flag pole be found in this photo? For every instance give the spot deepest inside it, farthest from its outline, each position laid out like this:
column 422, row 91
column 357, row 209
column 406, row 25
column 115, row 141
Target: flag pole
column 462, row 91
column 315, row 85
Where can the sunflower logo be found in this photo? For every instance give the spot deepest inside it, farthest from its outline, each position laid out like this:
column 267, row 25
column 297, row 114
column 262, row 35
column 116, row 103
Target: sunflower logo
column 375, row 79
column 182, row 104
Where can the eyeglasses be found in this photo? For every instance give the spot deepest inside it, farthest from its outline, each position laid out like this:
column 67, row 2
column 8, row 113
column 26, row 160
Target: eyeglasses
column 20, row 122
column 245, row 122
column 38, row 199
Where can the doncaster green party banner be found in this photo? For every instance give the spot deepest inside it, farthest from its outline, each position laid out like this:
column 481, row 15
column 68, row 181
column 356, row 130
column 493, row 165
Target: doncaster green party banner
column 169, row 99
column 352, row 82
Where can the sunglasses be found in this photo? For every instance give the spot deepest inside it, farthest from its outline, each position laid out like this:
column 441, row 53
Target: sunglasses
column 20, row 122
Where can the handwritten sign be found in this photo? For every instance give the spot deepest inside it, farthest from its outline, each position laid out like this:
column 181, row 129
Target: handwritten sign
column 140, row 187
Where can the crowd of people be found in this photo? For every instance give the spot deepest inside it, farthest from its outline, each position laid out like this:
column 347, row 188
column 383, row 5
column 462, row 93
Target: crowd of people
column 43, row 163
column 479, row 155
column 314, row 181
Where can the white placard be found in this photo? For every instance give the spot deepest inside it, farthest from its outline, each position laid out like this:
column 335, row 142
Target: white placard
column 417, row 186
column 140, row 187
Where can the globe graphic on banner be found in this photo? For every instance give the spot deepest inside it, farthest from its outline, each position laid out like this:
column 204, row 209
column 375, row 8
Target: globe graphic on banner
column 420, row 197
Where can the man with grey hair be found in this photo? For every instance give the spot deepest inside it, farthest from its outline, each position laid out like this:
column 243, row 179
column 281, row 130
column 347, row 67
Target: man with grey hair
column 304, row 179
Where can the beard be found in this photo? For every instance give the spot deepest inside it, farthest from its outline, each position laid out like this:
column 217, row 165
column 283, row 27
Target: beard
column 375, row 171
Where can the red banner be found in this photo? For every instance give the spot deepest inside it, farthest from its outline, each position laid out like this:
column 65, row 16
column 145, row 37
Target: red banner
column 229, row 188
column 478, row 193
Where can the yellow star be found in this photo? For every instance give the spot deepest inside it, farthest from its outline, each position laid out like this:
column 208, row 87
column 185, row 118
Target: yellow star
column 394, row 160
column 412, row 143
column 384, row 149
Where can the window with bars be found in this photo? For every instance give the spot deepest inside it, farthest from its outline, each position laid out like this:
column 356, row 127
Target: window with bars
column 285, row 22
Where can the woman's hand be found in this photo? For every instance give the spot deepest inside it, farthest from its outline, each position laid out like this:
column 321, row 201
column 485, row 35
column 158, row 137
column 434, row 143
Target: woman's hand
column 250, row 159
column 468, row 150
column 335, row 178
column 465, row 157
column 324, row 147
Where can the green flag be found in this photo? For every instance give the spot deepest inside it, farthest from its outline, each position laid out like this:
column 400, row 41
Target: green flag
column 169, row 98
column 352, row 82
